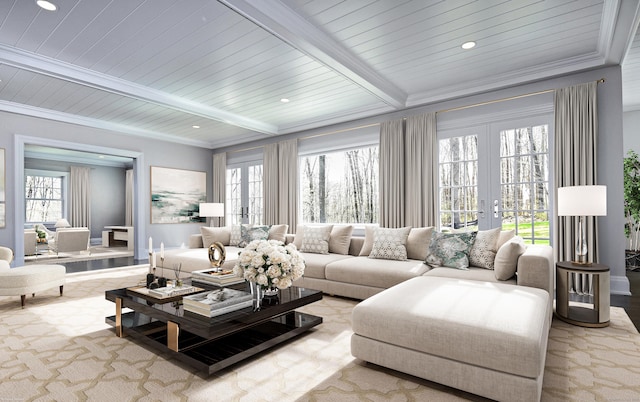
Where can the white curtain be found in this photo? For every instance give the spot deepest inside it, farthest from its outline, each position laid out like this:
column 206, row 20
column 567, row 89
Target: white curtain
column 392, row 174
column 288, row 184
column 576, row 131
column 421, row 167
column 128, row 213
column 220, row 181
column 270, row 184
column 80, row 196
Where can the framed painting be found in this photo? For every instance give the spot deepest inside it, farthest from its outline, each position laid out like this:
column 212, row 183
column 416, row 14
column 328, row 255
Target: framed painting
column 176, row 195
column 3, row 180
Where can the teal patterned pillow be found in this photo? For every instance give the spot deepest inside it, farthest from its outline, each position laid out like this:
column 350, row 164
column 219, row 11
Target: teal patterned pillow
column 251, row 233
column 450, row 249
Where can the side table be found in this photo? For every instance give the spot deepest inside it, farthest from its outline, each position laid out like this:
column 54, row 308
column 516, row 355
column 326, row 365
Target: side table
column 583, row 316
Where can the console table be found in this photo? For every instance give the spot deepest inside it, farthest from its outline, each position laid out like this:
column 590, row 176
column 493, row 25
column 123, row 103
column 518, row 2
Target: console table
column 113, row 235
column 596, row 317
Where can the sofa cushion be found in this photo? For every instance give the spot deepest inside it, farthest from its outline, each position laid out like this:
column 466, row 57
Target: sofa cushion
column 370, row 272
column 494, row 325
column 278, row 232
column 390, row 244
column 315, row 239
column 340, row 239
column 315, row 263
column 507, row 258
column 253, row 232
column 368, row 240
column 450, row 249
column 418, row 243
column 505, row 236
column 483, row 251
column 211, row 235
column 472, row 274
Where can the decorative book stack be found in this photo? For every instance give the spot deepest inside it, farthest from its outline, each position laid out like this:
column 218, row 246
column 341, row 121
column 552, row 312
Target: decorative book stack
column 170, row 291
column 216, row 277
column 217, row 302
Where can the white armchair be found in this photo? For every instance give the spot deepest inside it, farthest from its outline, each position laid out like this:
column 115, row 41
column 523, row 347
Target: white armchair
column 30, row 239
column 71, row 239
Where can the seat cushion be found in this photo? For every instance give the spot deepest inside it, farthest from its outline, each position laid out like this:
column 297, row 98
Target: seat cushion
column 315, row 263
column 372, row 272
column 494, row 325
column 472, row 274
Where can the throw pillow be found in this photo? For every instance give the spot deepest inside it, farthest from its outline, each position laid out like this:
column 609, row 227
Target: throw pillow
column 297, row 240
column 316, row 239
column 236, row 235
column 251, row 233
column 278, row 232
column 340, row 239
column 418, row 243
column 507, row 256
column 505, row 236
column 450, row 249
column 211, row 235
column 390, row 244
column 483, row 252
column 368, row 240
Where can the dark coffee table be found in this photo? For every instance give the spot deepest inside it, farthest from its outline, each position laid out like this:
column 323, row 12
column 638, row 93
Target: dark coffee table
column 211, row 344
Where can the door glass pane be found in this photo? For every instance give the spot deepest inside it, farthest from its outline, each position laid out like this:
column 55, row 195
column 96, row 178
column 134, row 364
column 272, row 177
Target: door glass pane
column 234, row 197
column 255, row 194
column 524, row 178
column 458, row 170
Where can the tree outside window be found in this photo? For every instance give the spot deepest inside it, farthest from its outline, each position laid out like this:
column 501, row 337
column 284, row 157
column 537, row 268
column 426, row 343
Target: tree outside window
column 43, row 198
column 340, row 187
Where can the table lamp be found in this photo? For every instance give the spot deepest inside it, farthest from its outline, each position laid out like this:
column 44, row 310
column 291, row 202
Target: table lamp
column 211, row 209
column 62, row 223
column 582, row 201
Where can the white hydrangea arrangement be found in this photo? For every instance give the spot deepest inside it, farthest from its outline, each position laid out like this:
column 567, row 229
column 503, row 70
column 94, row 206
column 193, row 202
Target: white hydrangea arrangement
column 270, row 263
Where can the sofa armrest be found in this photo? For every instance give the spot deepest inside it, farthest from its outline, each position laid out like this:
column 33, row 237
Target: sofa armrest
column 536, row 267
column 195, row 241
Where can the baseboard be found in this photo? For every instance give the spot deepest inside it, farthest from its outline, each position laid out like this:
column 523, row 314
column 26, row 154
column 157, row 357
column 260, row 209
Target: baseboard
column 620, row 285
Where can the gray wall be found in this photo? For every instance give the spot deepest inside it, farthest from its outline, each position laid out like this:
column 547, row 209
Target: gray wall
column 631, row 128
column 609, row 150
column 152, row 152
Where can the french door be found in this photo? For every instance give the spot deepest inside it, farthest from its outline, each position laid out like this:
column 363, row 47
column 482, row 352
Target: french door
column 244, row 194
column 497, row 175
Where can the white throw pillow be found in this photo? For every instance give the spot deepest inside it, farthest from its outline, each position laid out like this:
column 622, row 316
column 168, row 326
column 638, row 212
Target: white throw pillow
column 297, row 240
column 390, row 244
column 506, row 262
column 368, row 240
column 418, row 243
column 316, row 239
column 278, row 232
column 340, row 239
column 211, row 235
column 504, row 237
column 483, row 252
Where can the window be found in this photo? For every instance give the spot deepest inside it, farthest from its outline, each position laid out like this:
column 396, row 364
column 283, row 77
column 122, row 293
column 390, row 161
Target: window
column 244, row 194
column 340, row 187
column 44, row 200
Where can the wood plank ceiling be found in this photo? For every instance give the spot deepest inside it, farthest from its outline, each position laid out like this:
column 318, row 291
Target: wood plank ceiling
column 156, row 68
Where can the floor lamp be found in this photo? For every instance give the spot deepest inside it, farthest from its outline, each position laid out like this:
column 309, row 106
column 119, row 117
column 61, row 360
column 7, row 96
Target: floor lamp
column 212, row 210
column 582, row 201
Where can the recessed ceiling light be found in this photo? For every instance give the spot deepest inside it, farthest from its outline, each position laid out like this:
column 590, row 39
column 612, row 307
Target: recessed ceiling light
column 101, row 156
column 284, row 100
column 468, row 45
column 47, row 5
column 195, row 126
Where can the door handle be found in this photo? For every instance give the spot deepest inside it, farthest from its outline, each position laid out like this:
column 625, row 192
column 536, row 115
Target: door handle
column 496, row 211
column 481, row 210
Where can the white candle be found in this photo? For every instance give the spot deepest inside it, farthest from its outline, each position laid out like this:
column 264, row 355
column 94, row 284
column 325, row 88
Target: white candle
column 162, row 250
column 150, row 244
column 153, row 259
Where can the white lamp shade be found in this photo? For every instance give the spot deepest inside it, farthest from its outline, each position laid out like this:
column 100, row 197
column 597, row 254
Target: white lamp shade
column 211, row 209
column 62, row 223
column 582, row 201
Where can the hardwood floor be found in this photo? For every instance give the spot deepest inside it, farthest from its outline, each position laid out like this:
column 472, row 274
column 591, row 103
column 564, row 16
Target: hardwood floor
column 631, row 304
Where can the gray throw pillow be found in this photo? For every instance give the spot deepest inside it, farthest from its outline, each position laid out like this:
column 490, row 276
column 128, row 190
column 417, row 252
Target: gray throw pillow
column 450, row 250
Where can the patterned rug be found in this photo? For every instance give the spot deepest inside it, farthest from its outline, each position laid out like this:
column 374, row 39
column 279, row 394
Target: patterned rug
column 59, row 348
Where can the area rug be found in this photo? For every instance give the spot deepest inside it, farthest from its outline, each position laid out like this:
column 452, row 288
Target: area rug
column 59, row 348
column 94, row 253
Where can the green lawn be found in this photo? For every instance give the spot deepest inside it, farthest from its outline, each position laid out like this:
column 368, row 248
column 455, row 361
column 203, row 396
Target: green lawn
column 541, row 231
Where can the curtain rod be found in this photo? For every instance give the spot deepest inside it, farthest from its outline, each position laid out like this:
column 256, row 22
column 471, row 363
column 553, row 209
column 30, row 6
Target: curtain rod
column 453, row 109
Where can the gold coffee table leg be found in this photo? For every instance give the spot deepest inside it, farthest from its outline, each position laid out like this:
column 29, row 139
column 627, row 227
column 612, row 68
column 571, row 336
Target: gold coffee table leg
column 119, row 327
column 173, row 332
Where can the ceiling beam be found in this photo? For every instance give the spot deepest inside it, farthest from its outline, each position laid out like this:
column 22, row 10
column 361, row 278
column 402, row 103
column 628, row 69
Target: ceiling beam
column 286, row 24
column 79, row 75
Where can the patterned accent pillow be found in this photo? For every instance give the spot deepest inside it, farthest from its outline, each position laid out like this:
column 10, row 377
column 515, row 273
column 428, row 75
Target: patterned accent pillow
column 483, row 252
column 450, row 250
column 236, row 235
column 390, row 244
column 316, row 239
column 251, row 233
